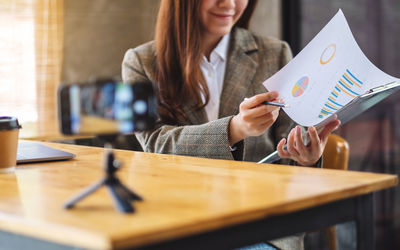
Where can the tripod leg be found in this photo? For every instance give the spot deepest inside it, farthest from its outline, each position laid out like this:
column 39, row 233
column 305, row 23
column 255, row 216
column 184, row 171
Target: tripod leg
column 121, row 202
column 129, row 193
column 70, row 203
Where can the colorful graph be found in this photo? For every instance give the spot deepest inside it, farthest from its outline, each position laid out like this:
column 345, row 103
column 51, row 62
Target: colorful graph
column 328, row 54
column 347, row 87
column 300, row 86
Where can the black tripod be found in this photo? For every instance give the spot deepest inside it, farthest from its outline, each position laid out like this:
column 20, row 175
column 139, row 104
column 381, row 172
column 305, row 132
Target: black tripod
column 121, row 195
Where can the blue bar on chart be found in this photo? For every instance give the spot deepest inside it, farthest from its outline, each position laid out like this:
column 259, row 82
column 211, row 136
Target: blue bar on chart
column 347, row 86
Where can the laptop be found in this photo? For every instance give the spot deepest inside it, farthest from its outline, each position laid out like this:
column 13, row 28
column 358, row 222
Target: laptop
column 29, row 152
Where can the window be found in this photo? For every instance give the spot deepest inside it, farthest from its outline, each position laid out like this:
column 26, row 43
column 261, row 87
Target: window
column 30, row 58
column 17, row 60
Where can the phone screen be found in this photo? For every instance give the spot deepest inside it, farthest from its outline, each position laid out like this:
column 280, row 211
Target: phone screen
column 107, row 107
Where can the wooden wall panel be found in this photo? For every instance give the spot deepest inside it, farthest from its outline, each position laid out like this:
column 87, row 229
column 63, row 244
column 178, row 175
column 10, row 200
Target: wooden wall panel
column 98, row 32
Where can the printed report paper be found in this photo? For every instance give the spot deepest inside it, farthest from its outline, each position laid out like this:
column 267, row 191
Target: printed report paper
column 326, row 75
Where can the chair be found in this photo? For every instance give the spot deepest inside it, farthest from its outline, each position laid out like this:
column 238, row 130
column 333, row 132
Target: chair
column 336, row 153
column 335, row 156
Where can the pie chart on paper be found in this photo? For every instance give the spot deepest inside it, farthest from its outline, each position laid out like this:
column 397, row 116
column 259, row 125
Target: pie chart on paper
column 300, row 86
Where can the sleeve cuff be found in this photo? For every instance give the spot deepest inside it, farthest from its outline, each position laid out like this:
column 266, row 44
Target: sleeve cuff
column 237, row 150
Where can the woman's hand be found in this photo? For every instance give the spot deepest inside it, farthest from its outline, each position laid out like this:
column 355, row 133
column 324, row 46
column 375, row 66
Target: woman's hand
column 253, row 118
column 306, row 155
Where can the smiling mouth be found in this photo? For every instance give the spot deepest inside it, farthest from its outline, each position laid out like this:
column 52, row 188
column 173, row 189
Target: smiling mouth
column 223, row 15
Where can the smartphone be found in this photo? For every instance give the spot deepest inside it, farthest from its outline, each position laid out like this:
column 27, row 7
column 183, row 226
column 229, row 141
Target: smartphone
column 106, row 107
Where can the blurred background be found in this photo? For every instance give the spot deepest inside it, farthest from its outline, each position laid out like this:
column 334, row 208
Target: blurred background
column 374, row 136
column 47, row 42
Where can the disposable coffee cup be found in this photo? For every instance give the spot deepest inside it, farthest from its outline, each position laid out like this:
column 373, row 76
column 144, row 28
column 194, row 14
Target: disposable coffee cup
column 9, row 130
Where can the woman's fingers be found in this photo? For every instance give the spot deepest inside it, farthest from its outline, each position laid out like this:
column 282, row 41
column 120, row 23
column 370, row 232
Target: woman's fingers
column 329, row 128
column 256, row 100
column 281, row 150
column 254, row 118
column 296, row 149
column 291, row 147
column 260, row 112
column 265, row 118
column 314, row 138
column 303, row 154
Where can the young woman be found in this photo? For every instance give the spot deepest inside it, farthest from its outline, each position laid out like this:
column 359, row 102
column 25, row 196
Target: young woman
column 209, row 70
column 205, row 64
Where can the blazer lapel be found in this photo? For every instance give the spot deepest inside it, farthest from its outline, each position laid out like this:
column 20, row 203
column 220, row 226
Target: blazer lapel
column 240, row 71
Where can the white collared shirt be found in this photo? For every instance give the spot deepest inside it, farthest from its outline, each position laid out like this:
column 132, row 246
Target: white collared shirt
column 214, row 72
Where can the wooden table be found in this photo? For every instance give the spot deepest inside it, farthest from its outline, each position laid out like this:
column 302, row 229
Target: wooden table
column 48, row 130
column 188, row 202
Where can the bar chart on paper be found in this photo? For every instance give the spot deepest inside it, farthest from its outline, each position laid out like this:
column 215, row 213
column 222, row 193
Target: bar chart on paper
column 327, row 75
column 347, row 88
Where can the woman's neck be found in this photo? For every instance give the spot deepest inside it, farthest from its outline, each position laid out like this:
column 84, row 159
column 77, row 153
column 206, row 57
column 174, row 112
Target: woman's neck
column 210, row 42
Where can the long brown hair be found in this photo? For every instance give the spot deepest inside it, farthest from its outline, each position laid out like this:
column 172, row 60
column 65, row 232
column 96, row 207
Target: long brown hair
column 178, row 51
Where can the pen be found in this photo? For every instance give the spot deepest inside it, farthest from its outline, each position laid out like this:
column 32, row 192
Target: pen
column 278, row 104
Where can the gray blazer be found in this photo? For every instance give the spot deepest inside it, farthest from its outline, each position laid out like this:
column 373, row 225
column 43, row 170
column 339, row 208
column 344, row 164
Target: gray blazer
column 251, row 60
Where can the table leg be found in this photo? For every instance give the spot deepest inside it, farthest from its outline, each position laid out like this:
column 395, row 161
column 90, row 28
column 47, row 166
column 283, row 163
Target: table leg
column 365, row 222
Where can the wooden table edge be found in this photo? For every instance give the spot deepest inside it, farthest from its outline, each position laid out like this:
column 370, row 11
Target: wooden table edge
column 232, row 219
